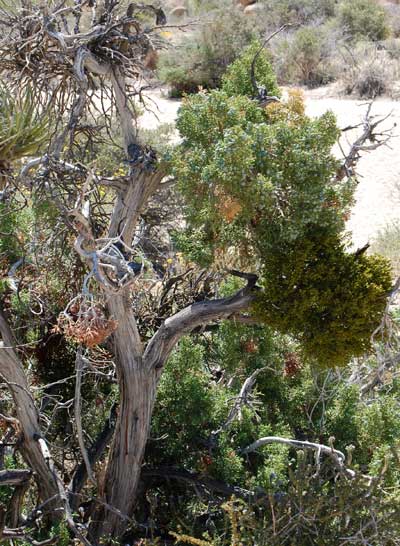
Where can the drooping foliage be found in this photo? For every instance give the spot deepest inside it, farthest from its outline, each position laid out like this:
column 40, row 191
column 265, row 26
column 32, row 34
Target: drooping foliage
column 263, row 192
column 331, row 299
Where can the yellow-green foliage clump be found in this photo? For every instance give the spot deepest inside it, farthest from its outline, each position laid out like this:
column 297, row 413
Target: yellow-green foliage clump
column 332, row 300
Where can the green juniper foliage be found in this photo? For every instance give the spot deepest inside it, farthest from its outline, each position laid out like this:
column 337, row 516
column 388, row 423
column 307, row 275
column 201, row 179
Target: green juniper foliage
column 262, row 191
column 309, row 404
column 236, row 80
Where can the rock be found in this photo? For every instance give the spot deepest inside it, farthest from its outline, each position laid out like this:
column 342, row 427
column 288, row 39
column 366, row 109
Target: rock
column 253, row 9
column 246, row 3
column 178, row 12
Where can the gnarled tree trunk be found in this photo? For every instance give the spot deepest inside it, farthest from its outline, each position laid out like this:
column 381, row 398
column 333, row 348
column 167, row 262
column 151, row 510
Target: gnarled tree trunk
column 137, row 397
column 139, row 373
column 31, row 444
column 137, row 387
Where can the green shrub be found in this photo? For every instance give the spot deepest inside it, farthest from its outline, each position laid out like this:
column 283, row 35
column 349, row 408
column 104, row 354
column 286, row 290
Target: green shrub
column 237, row 80
column 363, row 19
column 259, row 194
column 298, row 11
column 306, row 405
column 202, row 57
column 305, row 56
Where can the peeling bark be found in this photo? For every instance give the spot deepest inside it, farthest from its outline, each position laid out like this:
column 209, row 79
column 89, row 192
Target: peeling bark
column 31, row 443
column 139, row 374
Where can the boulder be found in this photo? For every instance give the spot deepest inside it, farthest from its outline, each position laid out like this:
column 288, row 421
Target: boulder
column 151, row 59
column 253, row 9
column 178, row 12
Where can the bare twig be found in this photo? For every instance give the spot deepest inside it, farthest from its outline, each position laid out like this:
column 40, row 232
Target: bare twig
column 369, row 134
column 241, row 400
column 337, row 456
column 260, row 93
column 77, row 412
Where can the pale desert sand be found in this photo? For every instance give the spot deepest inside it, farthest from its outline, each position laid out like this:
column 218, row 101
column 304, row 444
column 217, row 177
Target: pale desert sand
column 378, row 193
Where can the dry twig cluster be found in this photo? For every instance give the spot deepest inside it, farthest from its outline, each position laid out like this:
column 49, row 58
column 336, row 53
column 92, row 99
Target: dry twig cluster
column 84, row 322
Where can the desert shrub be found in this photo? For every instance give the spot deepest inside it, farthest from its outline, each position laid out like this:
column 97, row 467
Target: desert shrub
column 363, row 19
column 202, row 57
column 387, row 243
column 392, row 48
column 200, row 7
column 318, row 508
column 299, row 11
column 237, row 79
column 393, row 12
column 373, row 80
column 367, row 71
column 305, row 56
column 286, row 401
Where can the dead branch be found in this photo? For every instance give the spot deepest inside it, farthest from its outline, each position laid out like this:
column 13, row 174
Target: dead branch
column 369, row 134
column 16, row 503
column 337, row 456
column 241, row 400
column 164, row 340
column 260, row 92
column 77, row 413
column 14, row 477
column 94, row 453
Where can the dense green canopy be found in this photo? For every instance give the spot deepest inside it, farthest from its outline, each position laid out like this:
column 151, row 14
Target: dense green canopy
column 263, row 192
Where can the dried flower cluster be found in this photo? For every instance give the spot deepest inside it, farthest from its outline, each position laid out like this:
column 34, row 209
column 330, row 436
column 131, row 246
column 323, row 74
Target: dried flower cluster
column 85, row 323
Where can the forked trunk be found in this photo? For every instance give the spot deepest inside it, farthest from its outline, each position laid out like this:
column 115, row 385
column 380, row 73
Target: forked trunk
column 139, row 373
column 137, row 387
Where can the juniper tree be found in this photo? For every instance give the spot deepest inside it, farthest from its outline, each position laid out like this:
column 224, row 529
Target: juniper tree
column 264, row 201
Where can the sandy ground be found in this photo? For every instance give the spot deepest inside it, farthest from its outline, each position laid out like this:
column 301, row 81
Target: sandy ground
column 378, row 193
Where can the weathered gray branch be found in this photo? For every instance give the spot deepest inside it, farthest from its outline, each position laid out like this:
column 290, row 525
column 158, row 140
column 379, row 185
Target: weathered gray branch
column 77, row 412
column 197, row 314
column 240, row 401
column 337, row 456
column 369, row 134
column 14, row 477
column 94, row 453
